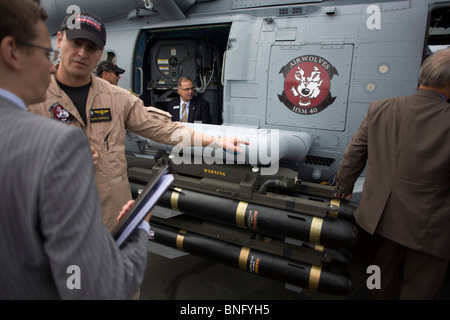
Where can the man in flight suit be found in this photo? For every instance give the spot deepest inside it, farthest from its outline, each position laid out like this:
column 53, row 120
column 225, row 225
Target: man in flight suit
column 104, row 111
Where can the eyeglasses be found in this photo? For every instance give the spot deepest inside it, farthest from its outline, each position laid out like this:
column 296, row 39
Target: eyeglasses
column 52, row 54
column 188, row 89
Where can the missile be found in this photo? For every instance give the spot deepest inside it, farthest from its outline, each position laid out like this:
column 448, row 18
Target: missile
column 317, row 278
column 294, row 146
column 341, row 257
column 239, row 182
column 284, row 247
column 344, row 209
column 316, row 230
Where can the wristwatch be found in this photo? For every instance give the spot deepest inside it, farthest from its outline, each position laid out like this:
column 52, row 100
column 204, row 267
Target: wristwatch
column 216, row 139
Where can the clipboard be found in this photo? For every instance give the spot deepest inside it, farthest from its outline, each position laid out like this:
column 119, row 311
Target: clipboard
column 146, row 200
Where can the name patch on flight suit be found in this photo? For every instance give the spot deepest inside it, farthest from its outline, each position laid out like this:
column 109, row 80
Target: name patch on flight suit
column 100, row 115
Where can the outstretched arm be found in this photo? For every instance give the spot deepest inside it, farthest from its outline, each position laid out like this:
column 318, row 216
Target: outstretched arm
column 230, row 144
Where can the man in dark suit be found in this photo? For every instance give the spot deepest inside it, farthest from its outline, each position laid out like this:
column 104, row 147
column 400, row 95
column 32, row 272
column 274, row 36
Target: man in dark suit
column 188, row 108
column 53, row 243
column 406, row 194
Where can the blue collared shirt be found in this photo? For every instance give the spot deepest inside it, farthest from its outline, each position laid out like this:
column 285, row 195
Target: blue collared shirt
column 13, row 98
column 144, row 226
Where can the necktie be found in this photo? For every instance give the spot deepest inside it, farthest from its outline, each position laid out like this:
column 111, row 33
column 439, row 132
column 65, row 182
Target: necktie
column 184, row 113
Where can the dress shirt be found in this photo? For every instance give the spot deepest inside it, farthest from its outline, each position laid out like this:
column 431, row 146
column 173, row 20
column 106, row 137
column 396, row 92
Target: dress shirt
column 12, row 97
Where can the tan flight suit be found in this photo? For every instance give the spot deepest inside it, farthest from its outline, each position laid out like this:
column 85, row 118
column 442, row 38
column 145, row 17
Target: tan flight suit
column 110, row 110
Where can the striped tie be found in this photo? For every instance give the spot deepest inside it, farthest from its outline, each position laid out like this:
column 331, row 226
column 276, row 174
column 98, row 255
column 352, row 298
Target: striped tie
column 184, row 113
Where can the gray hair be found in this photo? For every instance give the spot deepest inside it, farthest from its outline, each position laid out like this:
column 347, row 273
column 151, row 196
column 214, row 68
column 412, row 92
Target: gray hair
column 435, row 70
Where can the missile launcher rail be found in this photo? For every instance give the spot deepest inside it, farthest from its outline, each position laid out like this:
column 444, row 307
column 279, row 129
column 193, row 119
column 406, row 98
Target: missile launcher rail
column 295, row 231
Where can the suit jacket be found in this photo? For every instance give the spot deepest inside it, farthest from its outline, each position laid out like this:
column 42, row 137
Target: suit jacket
column 406, row 194
column 50, row 216
column 199, row 110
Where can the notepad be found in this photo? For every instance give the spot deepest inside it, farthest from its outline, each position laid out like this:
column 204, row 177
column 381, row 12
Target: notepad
column 148, row 198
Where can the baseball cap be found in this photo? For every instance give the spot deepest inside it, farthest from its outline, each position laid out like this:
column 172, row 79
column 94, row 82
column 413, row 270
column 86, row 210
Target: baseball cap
column 85, row 25
column 108, row 66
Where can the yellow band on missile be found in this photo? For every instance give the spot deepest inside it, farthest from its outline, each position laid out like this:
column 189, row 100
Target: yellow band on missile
column 316, row 228
column 174, row 198
column 240, row 214
column 335, row 202
column 314, row 277
column 319, row 247
column 180, row 239
column 243, row 257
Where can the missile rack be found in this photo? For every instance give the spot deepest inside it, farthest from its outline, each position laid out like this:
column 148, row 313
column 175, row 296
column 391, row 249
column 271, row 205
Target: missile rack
column 275, row 226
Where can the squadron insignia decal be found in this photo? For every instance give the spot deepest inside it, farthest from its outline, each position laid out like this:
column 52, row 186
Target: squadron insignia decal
column 61, row 114
column 307, row 84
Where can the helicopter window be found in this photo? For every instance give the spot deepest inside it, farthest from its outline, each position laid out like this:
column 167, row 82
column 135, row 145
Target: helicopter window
column 164, row 55
column 439, row 30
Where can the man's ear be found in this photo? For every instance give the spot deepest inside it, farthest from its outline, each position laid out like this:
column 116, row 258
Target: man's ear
column 59, row 39
column 9, row 53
